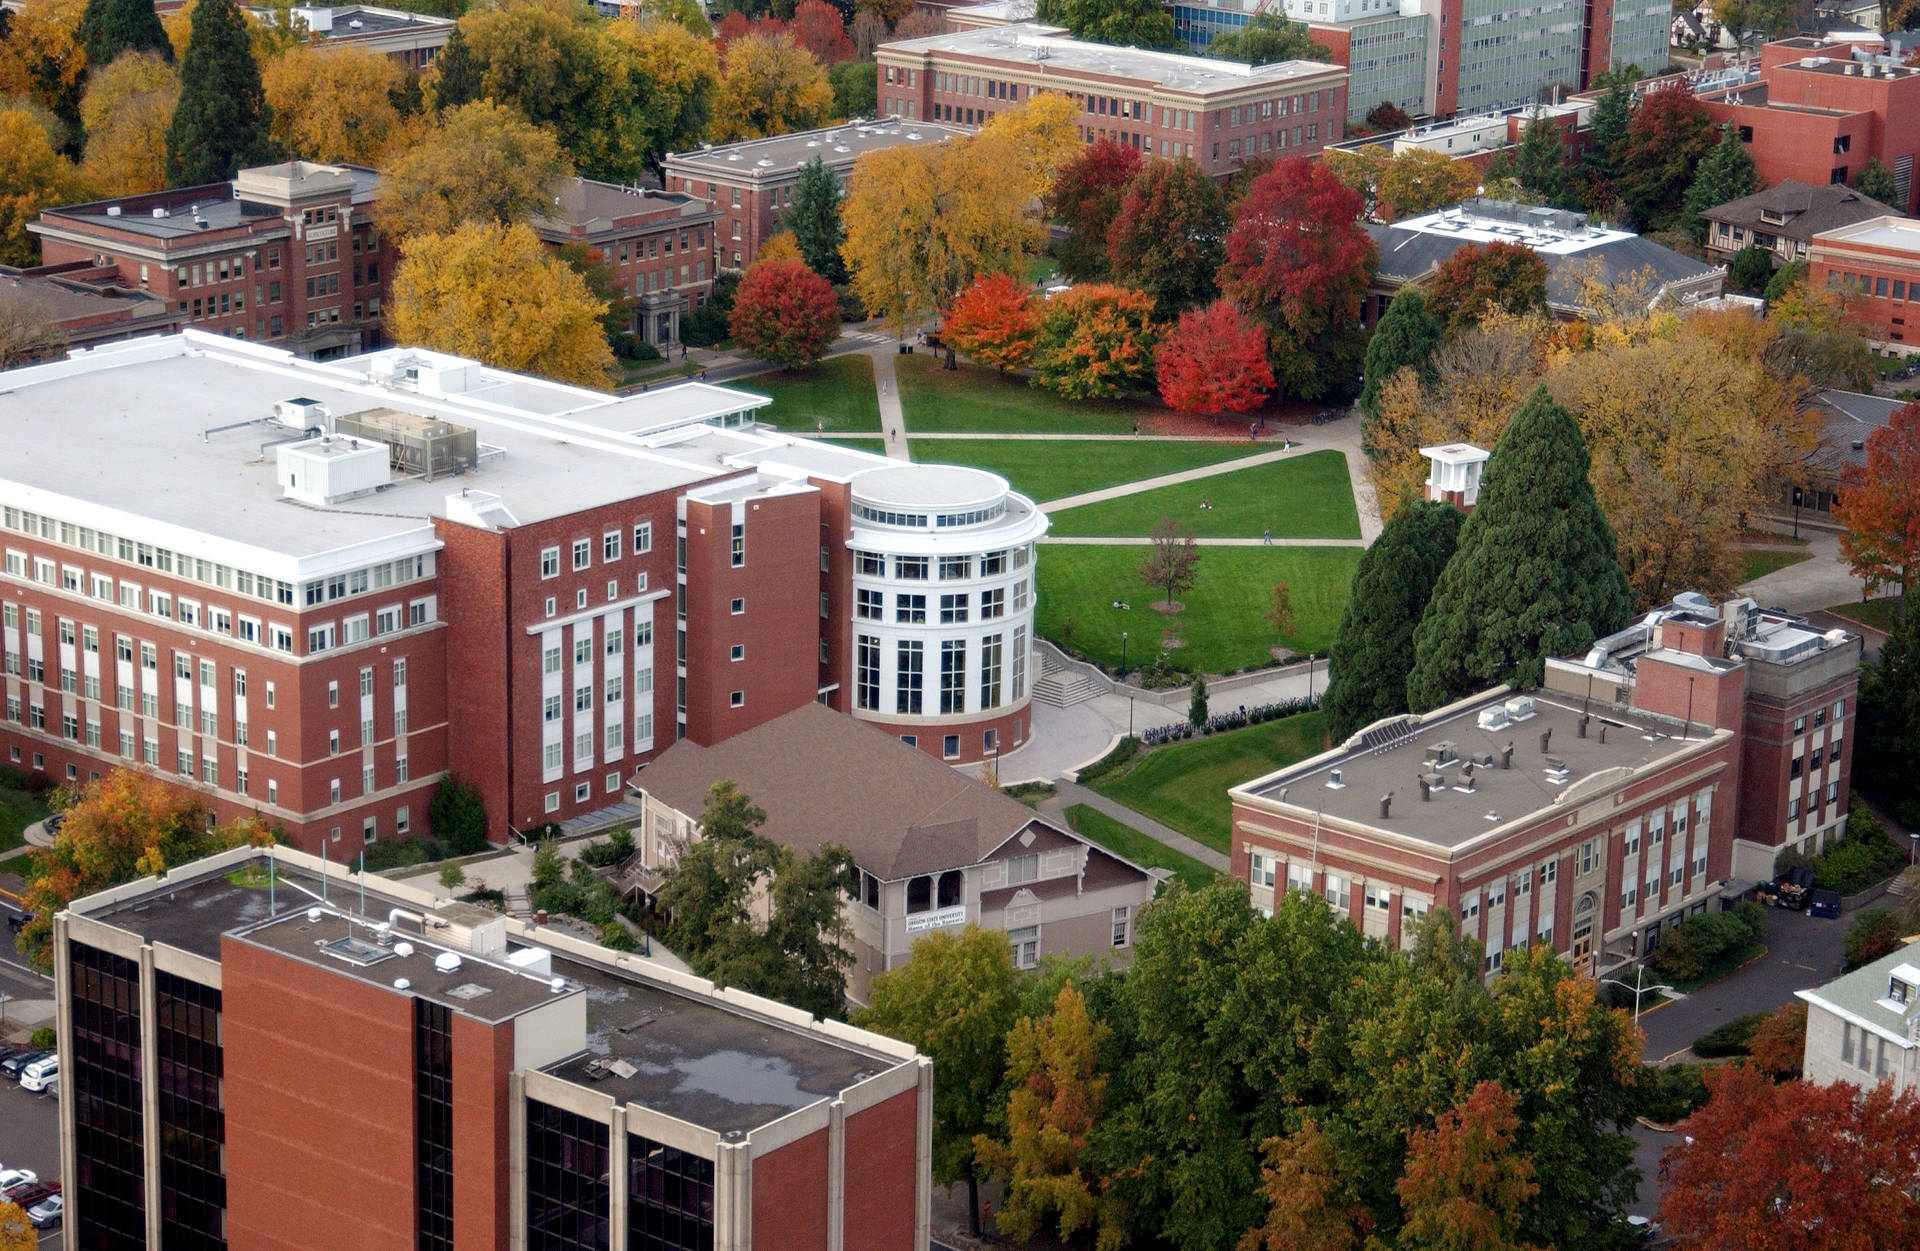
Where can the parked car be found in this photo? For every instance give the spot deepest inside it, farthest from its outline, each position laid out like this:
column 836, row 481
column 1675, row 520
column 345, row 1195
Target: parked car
column 11, row 1177
column 11, row 1066
column 46, row 1213
column 1825, row 903
column 40, row 1074
column 19, row 921
column 26, row 1194
column 8, row 1050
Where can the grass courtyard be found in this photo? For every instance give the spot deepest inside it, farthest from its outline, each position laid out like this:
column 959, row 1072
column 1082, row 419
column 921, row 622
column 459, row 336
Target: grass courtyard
column 1874, row 613
column 18, row 810
column 973, row 400
column 1050, row 470
column 1307, row 497
column 837, row 392
column 1145, row 851
column 1760, row 564
column 1222, row 622
column 1184, row 785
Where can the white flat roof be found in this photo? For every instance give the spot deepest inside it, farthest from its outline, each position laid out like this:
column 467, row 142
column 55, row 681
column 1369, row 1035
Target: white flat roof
column 1171, row 70
column 1880, row 232
column 1549, row 232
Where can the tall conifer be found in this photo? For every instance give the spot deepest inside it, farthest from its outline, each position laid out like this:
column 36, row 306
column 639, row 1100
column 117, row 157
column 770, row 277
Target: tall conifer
column 110, row 27
column 1373, row 652
column 220, row 125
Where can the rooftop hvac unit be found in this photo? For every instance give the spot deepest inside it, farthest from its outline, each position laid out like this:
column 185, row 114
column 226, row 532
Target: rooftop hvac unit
column 446, row 962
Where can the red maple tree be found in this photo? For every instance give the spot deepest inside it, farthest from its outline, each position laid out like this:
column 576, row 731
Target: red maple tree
column 1298, row 259
column 1482, row 276
column 994, row 322
column 816, row 26
column 1086, row 198
column 1880, row 505
column 1794, row 1167
column 1464, row 1185
column 785, row 313
column 1215, row 361
column 737, row 25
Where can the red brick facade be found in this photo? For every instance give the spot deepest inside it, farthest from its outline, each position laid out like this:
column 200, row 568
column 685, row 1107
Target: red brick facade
column 881, row 1177
column 1877, row 265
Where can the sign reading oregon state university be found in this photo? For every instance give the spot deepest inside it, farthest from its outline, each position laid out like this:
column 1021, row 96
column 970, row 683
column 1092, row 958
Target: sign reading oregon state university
column 937, row 920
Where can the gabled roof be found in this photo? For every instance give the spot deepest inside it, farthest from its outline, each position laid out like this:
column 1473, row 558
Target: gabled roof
column 824, row 777
column 1862, row 996
column 1808, row 209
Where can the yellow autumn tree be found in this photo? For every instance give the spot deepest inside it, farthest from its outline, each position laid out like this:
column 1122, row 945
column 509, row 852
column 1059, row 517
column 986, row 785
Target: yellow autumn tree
column 32, row 177
column 179, row 27
column 772, row 85
column 41, row 58
column 1359, row 171
column 888, row 217
column 125, row 112
column 781, row 247
column 495, row 293
column 1418, row 181
column 16, row 1231
column 1043, row 135
column 682, row 76
column 480, row 162
column 333, row 104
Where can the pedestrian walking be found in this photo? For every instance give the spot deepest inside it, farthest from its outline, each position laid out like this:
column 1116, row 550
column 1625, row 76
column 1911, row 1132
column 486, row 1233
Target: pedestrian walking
column 883, row 386
column 1266, row 536
column 1253, row 430
column 703, row 373
column 1136, row 429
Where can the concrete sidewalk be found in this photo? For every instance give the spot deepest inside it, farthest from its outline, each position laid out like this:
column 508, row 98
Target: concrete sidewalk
column 1068, row 794
column 1172, row 479
column 1095, row 541
column 893, row 425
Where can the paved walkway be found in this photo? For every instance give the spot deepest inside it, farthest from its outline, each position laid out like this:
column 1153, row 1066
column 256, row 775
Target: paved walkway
column 892, row 424
column 1137, row 541
column 1172, row 479
column 1820, row 581
column 1067, row 794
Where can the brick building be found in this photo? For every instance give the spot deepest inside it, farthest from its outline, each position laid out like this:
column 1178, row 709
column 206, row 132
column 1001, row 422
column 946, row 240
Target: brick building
column 264, row 1051
column 936, row 850
column 413, row 39
column 750, row 184
column 1821, row 110
column 1784, row 219
column 311, row 589
column 1447, row 58
column 660, row 244
column 84, row 310
column 1641, row 784
column 1220, row 113
column 1878, row 261
column 284, row 254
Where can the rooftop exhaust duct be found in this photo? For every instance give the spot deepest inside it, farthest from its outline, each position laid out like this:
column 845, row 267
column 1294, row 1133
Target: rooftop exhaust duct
column 1386, row 802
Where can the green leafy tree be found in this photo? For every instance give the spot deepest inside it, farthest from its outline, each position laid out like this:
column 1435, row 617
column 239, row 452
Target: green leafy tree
column 452, row 877
column 1728, row 173
column 1141, row 23
column 1784, row 278
column 1887, row 748
column 1270, row 37
column 1372, row 653
column 1096, row 341
column 1752, row 268
column 856, row 88
column 220, row 125
column 1875, row 181
column 708, row 891
column 813, row 215
column 1057, row 1095
column 1541, row 164
column 1406, row 338
column 1668, row 138
column 110, row 27
column 458, row 816
column 1168, row 233
column 603, row 284
column 1536, row 573
column 954, row 1001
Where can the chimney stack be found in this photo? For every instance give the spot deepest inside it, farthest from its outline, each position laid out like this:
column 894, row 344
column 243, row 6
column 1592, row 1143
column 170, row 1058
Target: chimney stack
column 1603, row 731
column 1546, row 737
column 1386, row 802
column 1506, row 756
column 1584, row 718
column 1426, row 791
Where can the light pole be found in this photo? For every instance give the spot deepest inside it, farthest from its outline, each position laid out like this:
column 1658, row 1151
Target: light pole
column 1123, row 655
column 1640, row 988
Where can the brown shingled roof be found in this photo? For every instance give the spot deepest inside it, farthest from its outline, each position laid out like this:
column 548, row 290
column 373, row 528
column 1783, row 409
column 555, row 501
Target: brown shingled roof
column 824, row 777
column 1808, row 209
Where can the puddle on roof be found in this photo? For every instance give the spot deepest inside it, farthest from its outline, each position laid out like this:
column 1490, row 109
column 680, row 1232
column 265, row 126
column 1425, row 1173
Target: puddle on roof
column 736, row 1077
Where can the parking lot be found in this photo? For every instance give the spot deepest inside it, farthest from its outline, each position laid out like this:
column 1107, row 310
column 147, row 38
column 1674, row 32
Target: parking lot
column 30, row 1137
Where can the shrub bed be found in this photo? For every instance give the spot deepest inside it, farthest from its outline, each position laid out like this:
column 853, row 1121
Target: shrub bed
column 1866, row 855
column 1730, row 1039
column 1701, row 948
column 1238, row 719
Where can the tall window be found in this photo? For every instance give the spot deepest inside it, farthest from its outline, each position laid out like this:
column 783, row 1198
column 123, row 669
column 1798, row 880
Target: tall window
column 953, row 676
column 433, row 1124
column 990, row 671
column 107, row 1130
column 867, row 673
column 1019, row 663
column 909, row 660
column 739, row 545
column 567, row 1192
column 669, row 1198
column 193, row 1186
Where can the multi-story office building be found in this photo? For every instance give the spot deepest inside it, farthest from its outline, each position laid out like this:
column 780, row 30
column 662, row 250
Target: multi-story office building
column 936, row 850
column 750, row 184
column 1220, row 113
column 1678, row 756
column 1444, row 58
column 660, row 245
column 1820, row 110
column 413, row 39
column 313, row 588
column 1878, row 262
column 285, row 254
column 264, row 1051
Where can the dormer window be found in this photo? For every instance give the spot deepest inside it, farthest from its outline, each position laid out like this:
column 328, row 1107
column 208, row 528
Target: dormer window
column 1899, row 992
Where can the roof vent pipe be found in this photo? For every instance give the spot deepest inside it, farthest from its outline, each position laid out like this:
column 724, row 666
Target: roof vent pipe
column 1506, row 756
column 1426, row 790
column 1603, row 731
column 1386, row 802
column 1546, row 737
column 1584, row 718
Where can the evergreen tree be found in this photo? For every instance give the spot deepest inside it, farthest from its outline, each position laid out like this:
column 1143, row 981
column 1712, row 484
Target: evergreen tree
column 220, row 124
column 1876, row 182
column 1752, row 268
column 1536, row 573
column 456, row 79
column 1197, row 701
column 1727, row 174
column 813, row 215
column 1888, row 748
column 110, row 27
column 1406, row 336
column 1542, row 162
column 1373, row 651
column 1606, row 141
column 1783, row 280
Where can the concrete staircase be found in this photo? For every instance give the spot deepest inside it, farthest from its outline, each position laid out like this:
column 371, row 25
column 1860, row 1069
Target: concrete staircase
column 1064, row 683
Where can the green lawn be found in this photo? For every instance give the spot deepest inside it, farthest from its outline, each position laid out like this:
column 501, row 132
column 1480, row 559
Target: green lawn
column 1050, row 471
column 1308, row 497
column 18, row 810
column 1184, row 785
column 1222, row 623
column 1877, row 613
column 1143, row 849
column 974, row 400
column 1760, row 564
column 837, row 392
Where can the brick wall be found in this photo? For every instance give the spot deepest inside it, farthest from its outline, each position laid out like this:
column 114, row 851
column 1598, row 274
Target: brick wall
column 790, row 1196
column 881, row 1174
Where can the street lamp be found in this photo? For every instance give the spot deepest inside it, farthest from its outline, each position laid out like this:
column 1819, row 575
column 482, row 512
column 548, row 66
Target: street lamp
column 1640, row 988
column 1123, row 655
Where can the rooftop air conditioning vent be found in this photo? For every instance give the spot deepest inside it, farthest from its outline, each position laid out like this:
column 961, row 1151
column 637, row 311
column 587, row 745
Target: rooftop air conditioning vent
column 1519, row 708
column 314, row 914
column 401, row 983
column 161, row 211
column 113, row 210
column 403, row 949
column 446, row 962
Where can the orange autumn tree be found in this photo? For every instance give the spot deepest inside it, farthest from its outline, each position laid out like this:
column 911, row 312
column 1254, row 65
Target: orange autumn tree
column 1794, row 1167
column 994, row 322
column 1464, row 1187
column 1096, row 342
column 1215, row 361
column 1880, row 505
column 126, row 825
